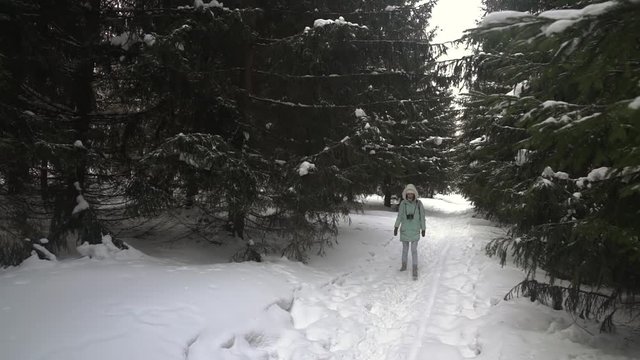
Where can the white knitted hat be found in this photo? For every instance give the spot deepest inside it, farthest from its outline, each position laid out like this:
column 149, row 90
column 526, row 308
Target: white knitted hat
column 409, row 189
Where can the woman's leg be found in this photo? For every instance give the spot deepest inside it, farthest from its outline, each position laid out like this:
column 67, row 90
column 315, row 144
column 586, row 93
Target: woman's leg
column 414, row 259
column 414, row 253
column 405, row 253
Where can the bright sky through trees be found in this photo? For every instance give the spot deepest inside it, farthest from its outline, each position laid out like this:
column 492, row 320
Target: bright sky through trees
column 452, row 17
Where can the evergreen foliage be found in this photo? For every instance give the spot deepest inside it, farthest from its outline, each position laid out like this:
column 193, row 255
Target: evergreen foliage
column 48, row 60
column 551, row 143
column 138, row 107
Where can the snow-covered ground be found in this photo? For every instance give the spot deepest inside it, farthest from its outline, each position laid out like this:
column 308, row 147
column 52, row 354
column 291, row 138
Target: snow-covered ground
column 352, row 303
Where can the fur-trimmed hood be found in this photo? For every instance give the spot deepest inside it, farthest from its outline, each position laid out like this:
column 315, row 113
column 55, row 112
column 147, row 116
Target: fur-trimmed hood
column 410, row 188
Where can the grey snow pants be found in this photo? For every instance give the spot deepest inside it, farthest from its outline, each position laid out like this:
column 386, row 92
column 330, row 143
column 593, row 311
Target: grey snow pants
column 414, row 252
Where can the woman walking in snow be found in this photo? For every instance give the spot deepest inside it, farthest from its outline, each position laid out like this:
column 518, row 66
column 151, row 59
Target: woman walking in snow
column 411, row 222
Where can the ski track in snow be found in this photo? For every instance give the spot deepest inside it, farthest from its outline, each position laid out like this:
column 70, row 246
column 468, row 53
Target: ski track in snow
column 385, row 315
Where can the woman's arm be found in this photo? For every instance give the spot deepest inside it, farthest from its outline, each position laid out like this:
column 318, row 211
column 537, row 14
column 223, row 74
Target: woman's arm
column 400, row 214
column 423, row 221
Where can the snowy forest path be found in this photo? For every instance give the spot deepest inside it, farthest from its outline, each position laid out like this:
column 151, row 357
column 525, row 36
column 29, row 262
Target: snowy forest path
column 351, row 304
column 383, row 313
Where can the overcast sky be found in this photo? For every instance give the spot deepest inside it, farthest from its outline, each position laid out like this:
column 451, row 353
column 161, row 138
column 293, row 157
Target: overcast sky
column 453, row 17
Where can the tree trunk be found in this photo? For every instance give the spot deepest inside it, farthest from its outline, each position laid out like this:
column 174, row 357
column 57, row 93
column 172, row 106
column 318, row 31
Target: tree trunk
column 81, row 95
column 238, row 224
column 44, row 180
column 387, row 198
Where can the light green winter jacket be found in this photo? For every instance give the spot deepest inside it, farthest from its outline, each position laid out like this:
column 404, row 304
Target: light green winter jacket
column 410, row 228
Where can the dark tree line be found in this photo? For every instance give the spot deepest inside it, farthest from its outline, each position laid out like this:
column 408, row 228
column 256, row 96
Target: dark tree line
column 263, row 115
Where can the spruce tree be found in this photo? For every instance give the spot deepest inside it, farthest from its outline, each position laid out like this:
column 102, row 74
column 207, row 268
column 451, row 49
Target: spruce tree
column 357, row 94
column 551, row 147
column 48, row 105
column 269, row 115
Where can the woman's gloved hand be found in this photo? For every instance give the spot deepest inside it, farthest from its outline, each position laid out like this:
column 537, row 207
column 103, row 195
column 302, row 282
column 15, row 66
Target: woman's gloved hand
column 423, row 233
column 395, row 231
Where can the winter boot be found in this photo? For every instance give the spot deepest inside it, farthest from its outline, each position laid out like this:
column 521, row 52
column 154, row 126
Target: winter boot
column 403, row 267
column 415, row 272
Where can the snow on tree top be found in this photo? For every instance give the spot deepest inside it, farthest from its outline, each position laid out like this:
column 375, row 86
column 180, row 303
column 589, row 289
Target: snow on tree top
column 598, row 174
column 561, row 14
column 479, row 140
column 360, row 113
column 549, row 173
column 522, row 157
column 550, row 103
column 500, row 17
column 338, row 21
column 549, row 120
column 212, row 3
column 589, row 117
column 305, row 168
column 573, row 14
column 391, row 8
column 517, row 90
column 436, row 140
column 635, row 104
column 78, row 144
column 630, row 170
column 124, row 40
column 541, row 182
column 565, row 18
column 149, row 39
column 558, row 27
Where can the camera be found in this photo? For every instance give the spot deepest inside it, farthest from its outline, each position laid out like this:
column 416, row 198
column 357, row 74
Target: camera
column 409, row 216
